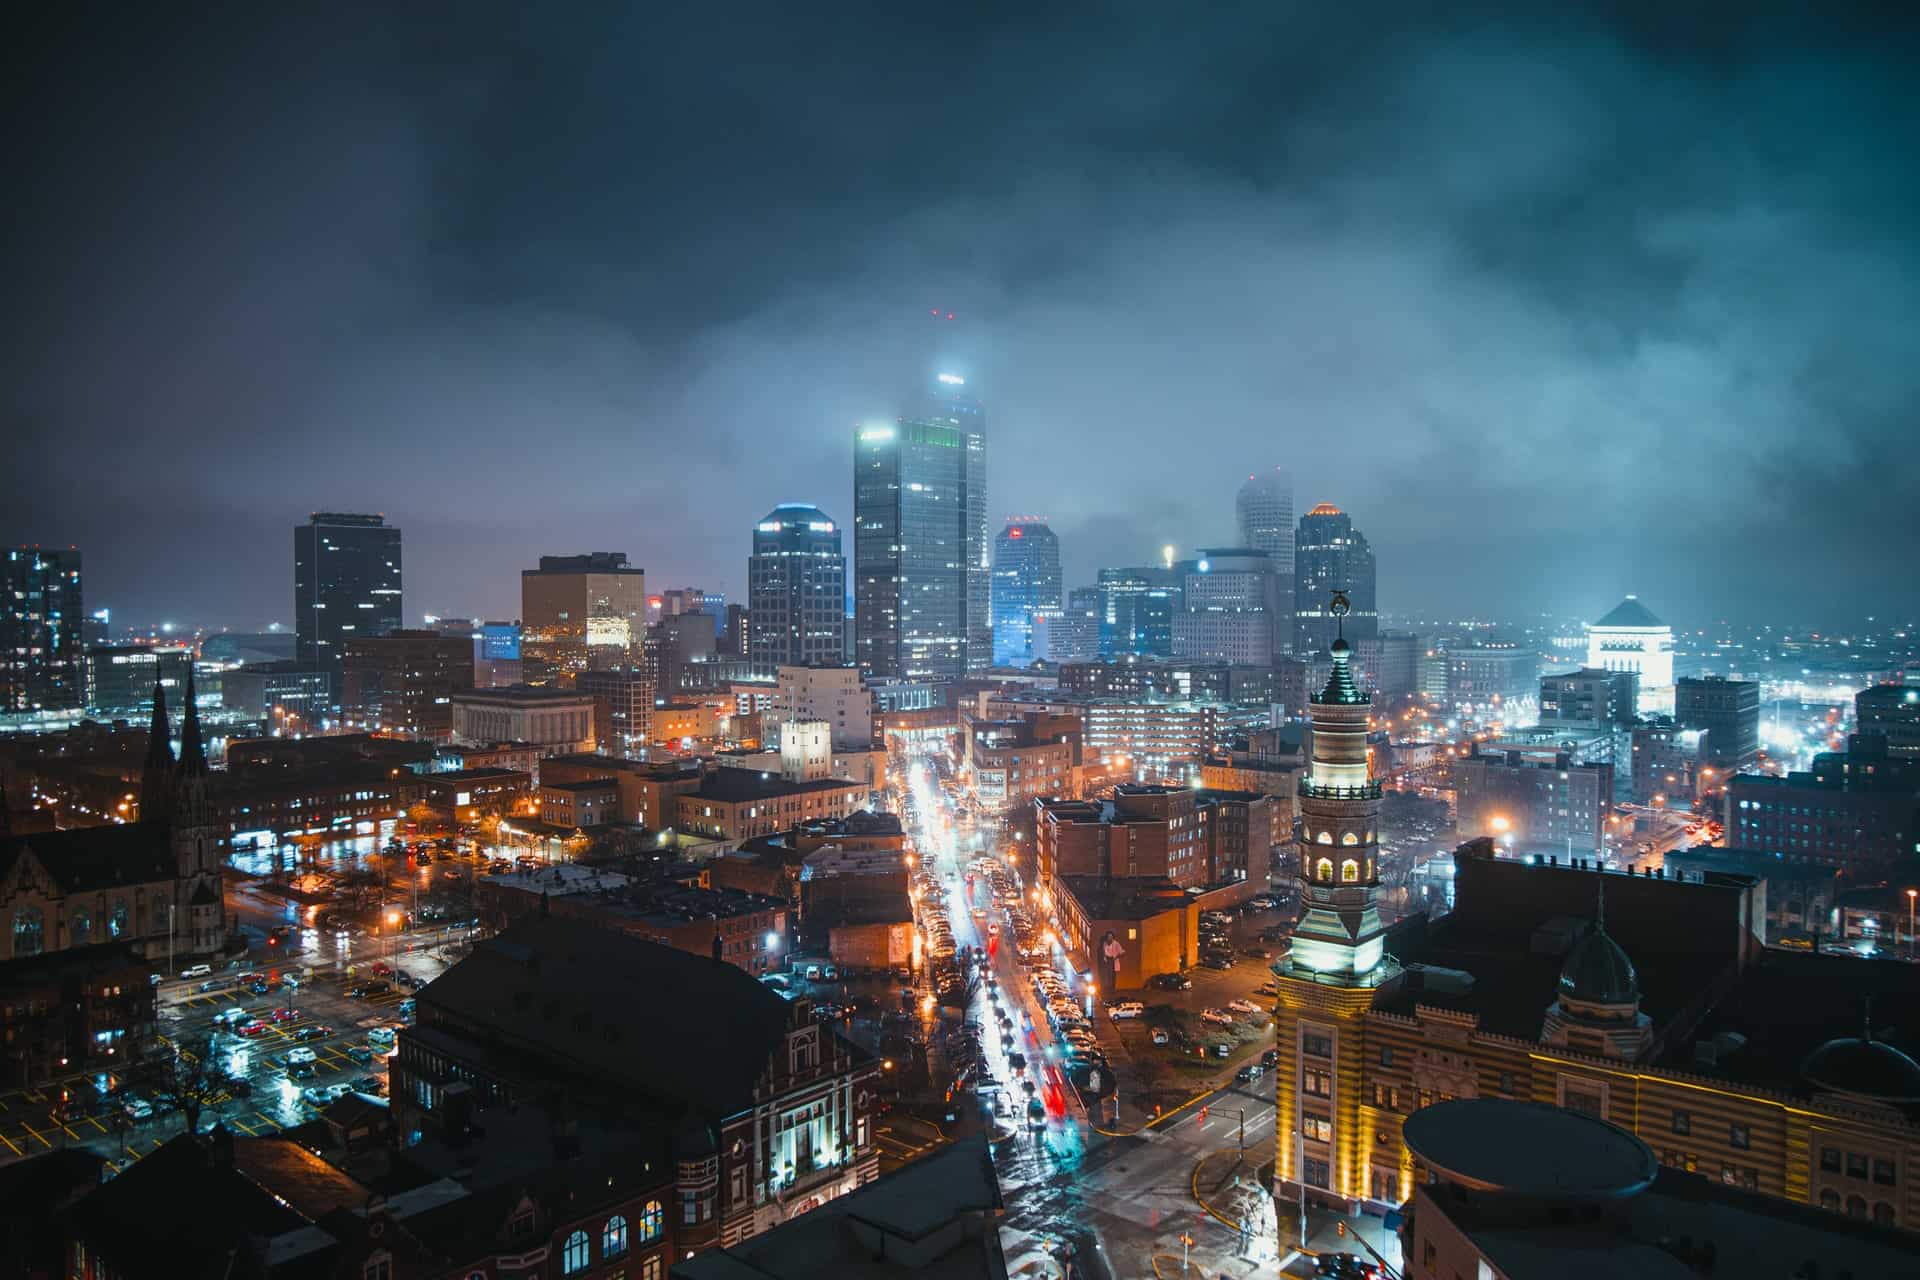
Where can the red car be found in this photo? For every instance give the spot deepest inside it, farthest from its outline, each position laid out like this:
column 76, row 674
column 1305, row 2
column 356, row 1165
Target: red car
column 252, row 1029
column 381, row 969
column 285, row 1015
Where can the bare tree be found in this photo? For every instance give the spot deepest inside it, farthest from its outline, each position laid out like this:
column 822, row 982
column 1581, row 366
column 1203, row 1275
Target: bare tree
column 191, row 1080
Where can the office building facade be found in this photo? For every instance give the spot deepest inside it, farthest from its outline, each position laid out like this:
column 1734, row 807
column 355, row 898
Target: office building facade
column 796, row 589
column 1136, row 610
column 921, row 571
column 1589, row 696
column 1727, row 713
column 41, row 621
column 1535, row 801
column 121, row 677
column 1330, row 555
column 622, row 709
column 1234, row 609
column 1026, row 582
column 578, row 612
column 346, row 583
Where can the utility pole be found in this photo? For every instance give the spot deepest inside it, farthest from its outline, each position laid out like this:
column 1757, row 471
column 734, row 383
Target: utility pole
column 1243, row 1131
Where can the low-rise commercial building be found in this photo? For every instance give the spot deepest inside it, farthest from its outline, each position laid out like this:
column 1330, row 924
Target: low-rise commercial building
column 1858, row 810
column 1131, row 928
column 1727, row 714
column 736, row 804
column 1535, row 801
column 556, row 721
column 473, row 795
column 774, row 1115
column 589, row 802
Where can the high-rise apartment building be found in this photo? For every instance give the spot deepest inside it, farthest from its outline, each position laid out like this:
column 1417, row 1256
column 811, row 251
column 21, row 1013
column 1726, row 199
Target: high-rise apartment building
column 579, row 612
column 1234, row 609
column 796, row 590
column 1026, row 582
column 1265, row 512
column 346, row 583
column 622, row 709
column 1727, row 712
column 1893, row 712
column 921, row 569
column 403, row 682
column 41, row 666
column 1330, row 555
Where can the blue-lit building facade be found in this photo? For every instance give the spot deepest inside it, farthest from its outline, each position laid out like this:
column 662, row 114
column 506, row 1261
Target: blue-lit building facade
column 1136, row 610
column 41, row 623
column 796, row 590
column 346, row 583
column 921, row 558
column 1026, row 582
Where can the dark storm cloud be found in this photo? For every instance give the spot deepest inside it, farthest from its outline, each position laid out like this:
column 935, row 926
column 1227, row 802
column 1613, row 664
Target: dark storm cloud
column 1559, row 306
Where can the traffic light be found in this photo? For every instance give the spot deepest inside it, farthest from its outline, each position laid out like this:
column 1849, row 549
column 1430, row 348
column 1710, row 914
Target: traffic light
column 1340, row 1229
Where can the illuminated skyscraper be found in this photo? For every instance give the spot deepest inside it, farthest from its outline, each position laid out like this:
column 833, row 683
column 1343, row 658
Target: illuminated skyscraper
column 796, row 590
column 580, row 612
column 346, row 583
column 1026, row 581
column 1331, row 555
column 921, row 570
column 40, row 630
column 1265, row 511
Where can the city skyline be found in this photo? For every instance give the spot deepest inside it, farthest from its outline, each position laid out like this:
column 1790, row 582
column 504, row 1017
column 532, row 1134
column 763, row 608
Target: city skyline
column 1473, row 319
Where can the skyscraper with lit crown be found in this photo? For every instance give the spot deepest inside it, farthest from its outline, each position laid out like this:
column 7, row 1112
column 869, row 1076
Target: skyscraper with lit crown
column 1264, row 509
column 1026, row 582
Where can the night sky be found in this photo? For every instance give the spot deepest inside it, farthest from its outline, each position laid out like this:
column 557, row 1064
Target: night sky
column 1559, row 306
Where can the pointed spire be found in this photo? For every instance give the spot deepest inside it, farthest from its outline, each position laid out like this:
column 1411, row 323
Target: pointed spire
column 159, row 733
column 156, row 778
column 193, row 753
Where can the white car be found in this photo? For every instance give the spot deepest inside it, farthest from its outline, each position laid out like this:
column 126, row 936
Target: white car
column 380, row 1035
column 1126, row 1009
column 1247, row 1007
column 197, row 971
column 1216, row 1018
column 299, row 1054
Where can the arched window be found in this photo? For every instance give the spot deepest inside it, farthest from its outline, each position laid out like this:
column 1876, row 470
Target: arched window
column 653, row 1220
column 1369, row 868
column 1349, row 871
column 1883, row 1213
column 29, row 933
column 575, row 1254
column 1325, row 837
column 613, row 1240
column 1350, row 839
column 1324, row 870
column 1369, row 835
column 1856, row 1206
column 117, row 922
column 80, row 929
column 1830, row 1199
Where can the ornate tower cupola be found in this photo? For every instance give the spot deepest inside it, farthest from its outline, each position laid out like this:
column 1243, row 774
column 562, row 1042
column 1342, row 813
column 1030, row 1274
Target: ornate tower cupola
column 156, row 776
column 1340, row 934
column 1599, row 1006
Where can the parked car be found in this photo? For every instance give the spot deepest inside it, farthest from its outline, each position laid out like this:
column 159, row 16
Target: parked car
column 136, row 1107
column 1217, row 962
column 1252, row 1071
column 1171, row 982
column 315, row 1032
column 299, row 1053
column 371, row 1085
column 285, row 1015
column 407, row 1007
column 1126, row 1009
column 300, row 1071
column 361, row 1054
column 1270, row 1058
column 1160, row 1035
column 253, row 1027
column 1258, row 953
column 196, row 971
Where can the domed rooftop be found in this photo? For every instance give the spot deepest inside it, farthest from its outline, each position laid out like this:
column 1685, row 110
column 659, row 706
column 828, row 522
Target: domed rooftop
column 1325, row 509
column 1597, row 971
column 1867, row 1067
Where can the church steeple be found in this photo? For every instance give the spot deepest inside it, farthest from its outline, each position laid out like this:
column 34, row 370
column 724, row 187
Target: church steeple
column 193, row 753
column 156, row 776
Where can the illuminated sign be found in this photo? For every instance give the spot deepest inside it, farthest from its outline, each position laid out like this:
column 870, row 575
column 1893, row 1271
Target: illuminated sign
column 953, row 380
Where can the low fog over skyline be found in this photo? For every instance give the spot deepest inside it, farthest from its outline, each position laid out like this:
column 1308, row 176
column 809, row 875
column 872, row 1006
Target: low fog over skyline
column 1559, row 308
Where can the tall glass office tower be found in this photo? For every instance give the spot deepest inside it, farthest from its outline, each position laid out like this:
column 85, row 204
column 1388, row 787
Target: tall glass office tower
column 921, row 570
column 797, row 590
column 346, row 583
column 40, row 630
column 1026, row 581
column 1331, row 555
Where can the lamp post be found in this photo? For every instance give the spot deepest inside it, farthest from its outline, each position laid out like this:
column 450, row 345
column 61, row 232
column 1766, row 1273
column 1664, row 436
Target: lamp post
column 1911, row 895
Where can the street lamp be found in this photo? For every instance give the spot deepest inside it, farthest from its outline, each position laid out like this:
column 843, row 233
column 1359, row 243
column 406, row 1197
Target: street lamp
column 1911, row 895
